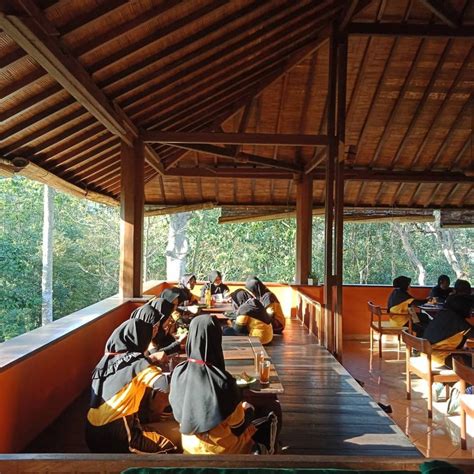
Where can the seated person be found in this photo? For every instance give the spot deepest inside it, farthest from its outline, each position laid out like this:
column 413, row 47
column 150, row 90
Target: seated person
column 175, row 296
column 119, row 382
column 215, row 284
column 205, row 398
column 463, row 287
column 399, row 301
column 269, row 301
column 251, row 319
column 450, row 328
column 157, row 313
column 186, row 285
column 442, row 290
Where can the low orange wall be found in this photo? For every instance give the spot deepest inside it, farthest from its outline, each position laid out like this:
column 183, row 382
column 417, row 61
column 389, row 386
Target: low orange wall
column 36, row 389
column 356, row 317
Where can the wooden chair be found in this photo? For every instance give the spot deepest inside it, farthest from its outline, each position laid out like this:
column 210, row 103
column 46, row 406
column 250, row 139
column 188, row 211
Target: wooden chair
column 421, row 366
column 380, row 324
column 466, row 375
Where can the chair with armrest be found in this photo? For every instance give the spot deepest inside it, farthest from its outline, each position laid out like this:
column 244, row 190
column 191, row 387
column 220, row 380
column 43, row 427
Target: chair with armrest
column 466, row 375
column 421, row 366
column 380, row 324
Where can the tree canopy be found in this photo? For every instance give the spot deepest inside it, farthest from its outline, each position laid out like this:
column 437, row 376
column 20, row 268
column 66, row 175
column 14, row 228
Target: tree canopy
column 86, row 252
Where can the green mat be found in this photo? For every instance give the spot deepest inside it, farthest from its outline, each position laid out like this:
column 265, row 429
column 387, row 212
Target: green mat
column 431, row 467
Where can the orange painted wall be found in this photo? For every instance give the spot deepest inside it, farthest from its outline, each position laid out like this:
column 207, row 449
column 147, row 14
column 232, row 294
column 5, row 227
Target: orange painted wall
column 355, row 314
column 37, row 389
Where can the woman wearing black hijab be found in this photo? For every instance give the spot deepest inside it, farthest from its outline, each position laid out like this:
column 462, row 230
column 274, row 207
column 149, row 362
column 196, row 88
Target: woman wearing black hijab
column 442, row 290
column 205, row 398
column 252, row 319
column 269, row 301
column 186, row 285
column 119, row 382
column 215, row 284
column 399, row 301
column 450, row 328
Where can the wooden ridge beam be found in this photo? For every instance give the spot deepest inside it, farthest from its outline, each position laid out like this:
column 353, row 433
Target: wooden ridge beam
column 350, row 174
column 411, row 29
column 164, row 211
column 239, row 157
column 443, row 10
column 152, row 136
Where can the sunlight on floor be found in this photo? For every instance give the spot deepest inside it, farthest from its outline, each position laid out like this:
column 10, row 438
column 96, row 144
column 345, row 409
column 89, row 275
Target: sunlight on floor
column 384, row 380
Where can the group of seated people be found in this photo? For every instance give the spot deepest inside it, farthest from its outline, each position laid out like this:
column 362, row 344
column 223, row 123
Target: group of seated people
column 452, row 325
column 138, row 406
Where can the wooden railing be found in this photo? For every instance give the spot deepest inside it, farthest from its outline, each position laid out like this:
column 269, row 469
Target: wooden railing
column 311, row 313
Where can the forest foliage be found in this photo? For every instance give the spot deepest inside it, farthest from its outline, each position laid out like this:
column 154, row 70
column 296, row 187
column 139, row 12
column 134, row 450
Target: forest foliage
column 86, row 252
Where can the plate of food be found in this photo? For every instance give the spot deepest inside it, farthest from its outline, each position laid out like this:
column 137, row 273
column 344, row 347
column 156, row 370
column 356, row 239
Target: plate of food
column 244, row 379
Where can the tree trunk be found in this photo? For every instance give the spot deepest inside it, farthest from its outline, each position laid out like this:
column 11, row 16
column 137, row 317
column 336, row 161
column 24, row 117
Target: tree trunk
column 47, row 271
column 177, row 247
column 411, row 253
column 445, row 240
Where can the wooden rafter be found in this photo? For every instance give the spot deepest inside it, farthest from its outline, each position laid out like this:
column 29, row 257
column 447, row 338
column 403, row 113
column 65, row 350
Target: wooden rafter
column 450, row 194
column 411, row 29
column 420, row 106
column 150, row 136
column 452, row 129
column 461, row 152
column 444, row 104
column 443, row 10
column 434, row 195
column 289, row 63
column 415, row 194
column 399, row 101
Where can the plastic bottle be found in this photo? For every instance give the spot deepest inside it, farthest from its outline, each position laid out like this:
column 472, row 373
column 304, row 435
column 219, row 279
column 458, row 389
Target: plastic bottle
column 208, row 298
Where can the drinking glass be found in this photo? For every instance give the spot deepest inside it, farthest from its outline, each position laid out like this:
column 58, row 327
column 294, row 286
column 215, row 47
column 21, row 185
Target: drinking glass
column 265, row 372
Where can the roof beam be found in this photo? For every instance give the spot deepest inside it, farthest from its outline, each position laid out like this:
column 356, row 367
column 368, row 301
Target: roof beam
column 411, row 29
column 443, row 10
column 152, row 136
column 240, row 157
column 29, row 33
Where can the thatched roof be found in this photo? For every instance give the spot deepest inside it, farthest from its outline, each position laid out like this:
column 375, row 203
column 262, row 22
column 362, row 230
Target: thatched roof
column 77, row 76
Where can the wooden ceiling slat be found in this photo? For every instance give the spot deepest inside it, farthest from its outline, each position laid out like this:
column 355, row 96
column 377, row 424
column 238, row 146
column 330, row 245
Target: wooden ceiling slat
column 180, row 45
column 18, row 85
column 37, row 119
column 412, row 200
column 276, row 46
column 87, row 149
column 450, row 194
column 283, row 91
column 420, row 106
column 105, row 172
column 245, row 79
column 464, row 196
column 378, row 196
column 441, row 110
column 287, row 66
column 434, row 195
column 61, row 65
column 396, row 195
column 75, row 165
column 444, row 11
column 93, row 168
column 461, row 153
column 157, row 35
column 415, row 30
column 464, row 111
column 399, row 100
column 15, row 147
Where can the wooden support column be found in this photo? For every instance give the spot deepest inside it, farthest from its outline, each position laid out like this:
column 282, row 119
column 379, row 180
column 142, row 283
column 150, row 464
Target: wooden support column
column 339, row 190
column 331, row 154
column 334, row 199
column 304, row 228
column 132, row 198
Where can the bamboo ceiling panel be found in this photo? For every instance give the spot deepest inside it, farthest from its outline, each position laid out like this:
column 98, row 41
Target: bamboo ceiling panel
column 240, row 66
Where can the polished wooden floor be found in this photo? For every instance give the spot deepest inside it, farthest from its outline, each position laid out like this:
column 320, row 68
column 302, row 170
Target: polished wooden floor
column 325, row 411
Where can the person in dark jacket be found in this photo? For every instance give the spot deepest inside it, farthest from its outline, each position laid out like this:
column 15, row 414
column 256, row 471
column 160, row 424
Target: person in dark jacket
column 269, row 301
column 119, row 383
column 450, row 328
column 442, row 290
column 399, row 301
column 215, row 284
column 186, row 285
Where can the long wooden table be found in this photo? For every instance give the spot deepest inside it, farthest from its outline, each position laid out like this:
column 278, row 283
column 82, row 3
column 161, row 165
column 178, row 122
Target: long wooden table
column 239, row 355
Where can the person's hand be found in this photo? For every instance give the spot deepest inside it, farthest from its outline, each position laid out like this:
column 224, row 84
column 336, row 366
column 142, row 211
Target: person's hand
column 159, row 358
column 182, row 337
column 247, row 406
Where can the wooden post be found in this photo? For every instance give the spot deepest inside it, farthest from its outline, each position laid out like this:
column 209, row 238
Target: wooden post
column 339, row 190
column 304, row 228
column 132, row 198
column 332, row 148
